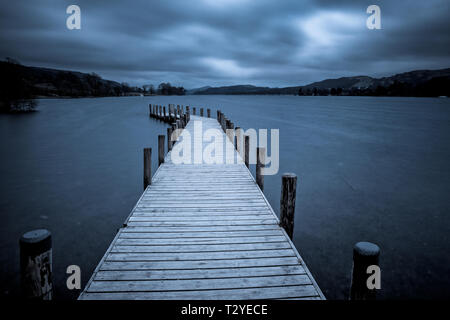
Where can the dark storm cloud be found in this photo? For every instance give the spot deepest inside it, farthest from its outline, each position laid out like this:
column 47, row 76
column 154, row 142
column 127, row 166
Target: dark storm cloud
column 219, row 42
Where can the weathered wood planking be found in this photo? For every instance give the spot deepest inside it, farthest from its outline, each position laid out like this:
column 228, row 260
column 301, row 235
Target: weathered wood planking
column 202, row 231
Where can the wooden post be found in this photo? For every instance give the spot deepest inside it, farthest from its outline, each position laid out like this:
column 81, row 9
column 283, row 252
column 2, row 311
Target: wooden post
column 201, row 112
column 160, row 149
column 193, row 110
column 218, row 116
column 260, row 159
column 231, row 133
column 174, row 132
column 150, row 109
column 147, row 167
column 287, row 202
column 169, row 139
column 238, row 140
column 36, row 264
column 164, row 109
column 178, row 110
column 246, row 150
column 208, row 112
column 365, row 254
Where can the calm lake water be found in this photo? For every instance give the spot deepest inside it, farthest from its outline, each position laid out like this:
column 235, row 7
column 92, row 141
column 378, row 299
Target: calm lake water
column 373, row 169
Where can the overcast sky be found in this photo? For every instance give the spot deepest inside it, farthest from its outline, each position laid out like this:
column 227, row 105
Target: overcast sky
column 221, row 42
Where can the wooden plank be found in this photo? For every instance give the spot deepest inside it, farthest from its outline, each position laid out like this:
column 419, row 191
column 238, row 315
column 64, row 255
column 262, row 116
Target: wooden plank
column 205, row 255
column 236, row 294
column 201, row 247
column 198, row 284
column 211, row 234
column 199, row 264
column 163, row 229
column 212, row 222
column 151, row 218
column 198, row 241
column 199, row 273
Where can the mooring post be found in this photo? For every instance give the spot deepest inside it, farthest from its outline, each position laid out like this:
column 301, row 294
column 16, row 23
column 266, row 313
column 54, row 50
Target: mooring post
column 179, row 110
column 160, row 149
column 201, row 112
column 231, row 133
column 164, row 117
column 147, row 167
column 218, row 115
column 208, row 113
column 287, row 202
column 224, row 126
column 174, row 132
column 150, row 110
column 238, row 139
column 36, row 264
column 246, row 150
column 365, row 254
column 260, row 160
column 169, row 139
column 193, row 110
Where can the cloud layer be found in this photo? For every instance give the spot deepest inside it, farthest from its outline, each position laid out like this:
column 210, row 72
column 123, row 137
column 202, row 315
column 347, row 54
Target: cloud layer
column 221, row 42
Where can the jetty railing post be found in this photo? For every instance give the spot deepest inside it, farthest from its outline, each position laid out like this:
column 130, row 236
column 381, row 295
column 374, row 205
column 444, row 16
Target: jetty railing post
column 161, row 138
column 246, row 150
column 147, row 167
column 208, row 113
column 169, row 139
column 224, row 124
column 36, row 264
column 287, row 202
column 174, row 132
column 365, row 254
column 260, row 160
column 232, row 134
column 238, row 138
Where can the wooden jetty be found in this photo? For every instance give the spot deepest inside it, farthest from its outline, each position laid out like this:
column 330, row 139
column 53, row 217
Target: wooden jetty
column 201, row 232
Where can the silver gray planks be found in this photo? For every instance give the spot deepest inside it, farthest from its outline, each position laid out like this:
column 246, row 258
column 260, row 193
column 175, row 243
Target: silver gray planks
column 202, row 231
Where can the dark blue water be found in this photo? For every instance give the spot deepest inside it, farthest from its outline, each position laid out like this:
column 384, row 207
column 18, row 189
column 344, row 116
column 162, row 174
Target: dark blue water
column 373, row 169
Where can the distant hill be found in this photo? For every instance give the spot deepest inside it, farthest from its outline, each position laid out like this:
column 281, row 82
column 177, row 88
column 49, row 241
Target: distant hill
column 413, row 83
column 193, row 91
column 53, row 82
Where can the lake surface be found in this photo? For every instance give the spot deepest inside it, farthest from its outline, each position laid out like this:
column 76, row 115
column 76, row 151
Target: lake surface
column 370, row 169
